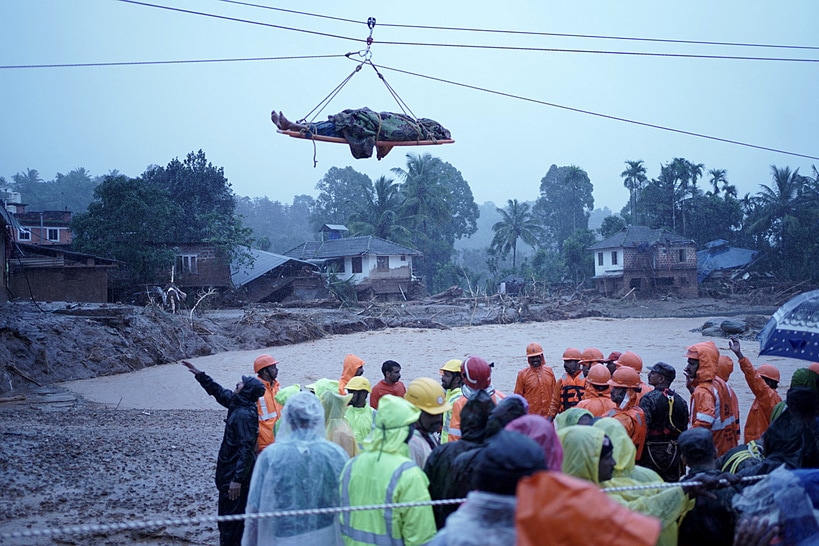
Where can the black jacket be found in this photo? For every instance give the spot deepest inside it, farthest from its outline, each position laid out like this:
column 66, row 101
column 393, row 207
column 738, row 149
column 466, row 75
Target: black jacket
column 656, row 405
column 237, row 454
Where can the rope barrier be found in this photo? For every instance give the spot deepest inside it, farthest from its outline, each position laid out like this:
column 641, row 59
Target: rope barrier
column 175, row 522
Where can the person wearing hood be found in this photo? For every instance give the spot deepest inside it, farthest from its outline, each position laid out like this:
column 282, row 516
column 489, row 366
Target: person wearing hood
column 477, row 376
column 710, row 405
column 588, row 455
column 266, row 369
column 763, row 382
column 802, row 377
column 440, row 462
column 300, row 456
column 488, row 515
column 360, row 415
column 625, row 453
column 391, row 384
column 543, row 432
column 666, row 418
column 572, row 417
column 452, row 382
column 338, row 430
column 237, row 453
column 352, row 366
column 571, row 386
column 429, row 397
column 536, row 382
column 725, row 367
column 597, row 398
column 625, row 387
column 384, row 474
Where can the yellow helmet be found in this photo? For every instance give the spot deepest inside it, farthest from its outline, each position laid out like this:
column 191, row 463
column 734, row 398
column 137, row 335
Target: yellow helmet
column 453, row 365
column 427, row 395
column 359, row 383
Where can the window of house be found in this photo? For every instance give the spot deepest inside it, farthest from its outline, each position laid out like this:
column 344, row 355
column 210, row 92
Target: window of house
column 53, row 234
column 614, row 258
column 187, row 264
column 336, row 266
column 357, row 265
column 382, row 263
column 681, row 254
column 403, row 258
column 24, row 235
column 599, row 258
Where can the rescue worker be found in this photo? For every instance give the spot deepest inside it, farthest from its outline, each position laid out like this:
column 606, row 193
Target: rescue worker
column 488, row 515
column 597, row 398
column 589, row 357
column 536, row 382
column 439, row 463
column 712, row 520
column 359, row 415
column 710, row 404
column 477, row 376
column 588, row 455
column 451, row 381
column 237, row 453
column 569, row 389
column 725, row 367
column 666, row 418
column 633, row 360
column 611, row 361
column 267, row 370
column 337, row 428
column 624, row 454
column 352, row 366
column 763, row 382
column 383, row 474
column 300, row 456
column 625, row 383
column 391, row 384
column 429, row 397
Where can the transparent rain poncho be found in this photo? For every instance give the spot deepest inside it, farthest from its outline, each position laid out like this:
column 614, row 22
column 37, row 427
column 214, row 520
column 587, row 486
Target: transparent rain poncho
column 300, row 470
column 338, row 430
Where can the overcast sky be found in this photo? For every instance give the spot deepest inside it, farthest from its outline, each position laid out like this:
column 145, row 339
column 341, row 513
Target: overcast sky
column 128, row 117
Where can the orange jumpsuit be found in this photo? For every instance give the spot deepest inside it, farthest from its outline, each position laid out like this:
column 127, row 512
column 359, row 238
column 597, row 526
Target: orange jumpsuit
column 597, row 402
column 759, row 416
column 351, row 365
column 454, row 432
column 711, row 403
column 569, row 392
column 633, row 418
column 269, row 412
column 537, row 385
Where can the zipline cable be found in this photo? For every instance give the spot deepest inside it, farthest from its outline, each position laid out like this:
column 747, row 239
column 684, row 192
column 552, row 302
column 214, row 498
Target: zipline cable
column 186, row 61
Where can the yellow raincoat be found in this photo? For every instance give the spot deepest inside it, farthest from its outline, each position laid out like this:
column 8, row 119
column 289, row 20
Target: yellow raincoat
column 338, row 430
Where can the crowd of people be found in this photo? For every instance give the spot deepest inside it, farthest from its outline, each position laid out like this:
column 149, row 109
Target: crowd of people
column 595, row 455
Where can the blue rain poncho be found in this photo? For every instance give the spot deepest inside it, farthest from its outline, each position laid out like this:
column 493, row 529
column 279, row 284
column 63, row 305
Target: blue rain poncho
column 299, row 456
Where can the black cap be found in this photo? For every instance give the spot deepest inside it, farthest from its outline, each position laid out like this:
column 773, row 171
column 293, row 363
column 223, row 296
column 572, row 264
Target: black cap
column 666, row 370
column 696, row 443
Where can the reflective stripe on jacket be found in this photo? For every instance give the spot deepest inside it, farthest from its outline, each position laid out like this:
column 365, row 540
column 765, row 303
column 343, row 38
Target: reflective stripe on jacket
column 269, row 412
column 454, row 429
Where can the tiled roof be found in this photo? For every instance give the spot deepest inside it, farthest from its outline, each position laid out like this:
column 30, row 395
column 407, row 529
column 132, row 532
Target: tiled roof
column 352, row 246
column 634, row 236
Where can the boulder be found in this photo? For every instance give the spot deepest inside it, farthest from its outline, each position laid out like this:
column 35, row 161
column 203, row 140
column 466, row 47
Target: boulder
column 713, row 331
column 733, row 326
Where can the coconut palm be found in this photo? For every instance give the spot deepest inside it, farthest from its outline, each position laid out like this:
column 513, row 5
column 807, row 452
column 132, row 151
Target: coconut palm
column 517, row 222
column 633, row 179
column 381, row 214
column 778, row 203
column 424, row 197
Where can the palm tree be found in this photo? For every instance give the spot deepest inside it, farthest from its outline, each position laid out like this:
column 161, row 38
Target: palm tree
column 517, row 222
column 424, row 197
column 633, row 179
column 777, row 204
column 717, row 177
column 380, row 215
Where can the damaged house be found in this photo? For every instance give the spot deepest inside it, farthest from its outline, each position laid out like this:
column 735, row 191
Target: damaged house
column 719, row 260
column 276, row 278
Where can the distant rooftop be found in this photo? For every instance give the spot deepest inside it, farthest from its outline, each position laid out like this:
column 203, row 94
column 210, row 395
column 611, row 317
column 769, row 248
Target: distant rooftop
column 352, row 246
column 634, row 236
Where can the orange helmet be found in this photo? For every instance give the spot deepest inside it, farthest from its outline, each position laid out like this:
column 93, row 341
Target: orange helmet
column 262, row 362
column 599, row 375
column 534, row 349
column 766, row 370
column 625, row 377
column 591, row 354
column 632, row 360
column 572, row 354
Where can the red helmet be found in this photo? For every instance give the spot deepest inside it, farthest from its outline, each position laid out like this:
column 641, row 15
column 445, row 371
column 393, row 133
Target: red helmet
column 814, row 367
column 632, row 360
column 534, row 349
column 262, row 362
column 625, row 377
column 599, row 375
column 591, row 354
column 766, row 370
column 476, row 373
column 572, row 354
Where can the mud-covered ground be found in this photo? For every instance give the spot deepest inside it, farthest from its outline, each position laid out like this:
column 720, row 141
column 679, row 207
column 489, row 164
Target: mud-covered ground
column 67, row 461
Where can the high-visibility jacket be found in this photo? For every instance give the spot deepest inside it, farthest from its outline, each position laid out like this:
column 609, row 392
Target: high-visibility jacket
column 633, row 418
column 451, row 396
column 597, row 402
column 569, row 391
column 361, row 420
column 454, row 431
column 537, row 385
column 765, row 399
column 711, row 406
column 269, row 412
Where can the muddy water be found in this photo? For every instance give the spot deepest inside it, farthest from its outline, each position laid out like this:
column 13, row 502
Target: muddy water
column 421, row 353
